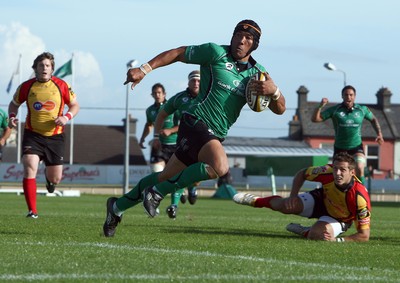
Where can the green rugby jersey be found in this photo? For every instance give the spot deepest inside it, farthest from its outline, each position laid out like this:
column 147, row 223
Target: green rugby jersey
column 347, row 124
column 222, row 86
column 3, row 121
column 169, row 122
column 179, row 103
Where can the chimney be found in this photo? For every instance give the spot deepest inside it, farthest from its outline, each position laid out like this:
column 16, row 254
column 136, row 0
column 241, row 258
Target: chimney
column 132, row 125
column 302, row 97
column 383, row 96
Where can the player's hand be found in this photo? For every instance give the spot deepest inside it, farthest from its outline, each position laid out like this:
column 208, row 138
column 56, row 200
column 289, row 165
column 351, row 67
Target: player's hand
column 165, row 132
column 61, row 120
column 134, row 76
column 266, row 87
column 12, row 122
column 141, row 144
column 290, row 203
column 379, row 139
column 324, row 101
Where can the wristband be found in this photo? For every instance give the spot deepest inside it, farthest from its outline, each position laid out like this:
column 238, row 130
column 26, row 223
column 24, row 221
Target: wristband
column 69, row 116
column 339, row 239
column 144, row 70
column 321, row 106
column 12, row 115
column 276, row 94
column 156, row 136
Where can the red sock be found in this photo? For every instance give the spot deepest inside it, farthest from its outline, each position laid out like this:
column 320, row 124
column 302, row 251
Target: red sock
column 29, row 186
column 265, row 202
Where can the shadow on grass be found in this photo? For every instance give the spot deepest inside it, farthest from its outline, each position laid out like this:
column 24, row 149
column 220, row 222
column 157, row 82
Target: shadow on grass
column 218, row 231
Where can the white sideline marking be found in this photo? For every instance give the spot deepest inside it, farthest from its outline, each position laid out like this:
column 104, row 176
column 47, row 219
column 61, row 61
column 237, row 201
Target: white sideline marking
column 234, row 277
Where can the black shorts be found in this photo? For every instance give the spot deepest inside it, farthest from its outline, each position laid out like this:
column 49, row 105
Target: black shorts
column 320, row 209
column 49, row 149
column 163, row 154
column 350, row 151
column 193, row 134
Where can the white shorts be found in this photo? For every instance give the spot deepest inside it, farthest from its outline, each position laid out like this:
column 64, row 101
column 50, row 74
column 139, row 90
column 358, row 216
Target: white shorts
column 308, row 207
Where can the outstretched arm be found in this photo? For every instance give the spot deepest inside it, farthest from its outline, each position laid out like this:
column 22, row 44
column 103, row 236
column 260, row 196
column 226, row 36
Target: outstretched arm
column 316, row 117
column 297, row 183
column 146, row 131
column 377, row 128
column 135, row 75
column 360, row 236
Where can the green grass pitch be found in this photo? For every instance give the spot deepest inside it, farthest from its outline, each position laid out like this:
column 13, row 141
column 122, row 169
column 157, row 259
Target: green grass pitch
column 211, row 241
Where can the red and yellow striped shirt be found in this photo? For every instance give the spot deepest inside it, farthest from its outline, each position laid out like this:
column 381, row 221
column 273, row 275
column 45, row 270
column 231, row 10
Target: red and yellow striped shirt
column 352, row 204
column 45, row 102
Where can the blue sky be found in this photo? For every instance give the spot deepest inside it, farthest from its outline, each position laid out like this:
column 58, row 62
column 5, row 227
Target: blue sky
column 360, row 37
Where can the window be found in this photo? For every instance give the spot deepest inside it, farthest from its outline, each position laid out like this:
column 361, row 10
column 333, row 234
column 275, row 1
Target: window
column 372, row 154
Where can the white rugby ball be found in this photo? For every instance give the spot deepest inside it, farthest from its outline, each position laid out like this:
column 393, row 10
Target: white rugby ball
column 255, row 101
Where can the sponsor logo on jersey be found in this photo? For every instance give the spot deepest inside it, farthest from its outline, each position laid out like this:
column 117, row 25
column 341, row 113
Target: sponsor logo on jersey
column 47, row 106
column 318, row 170
column 229, row 66
column 363, row 213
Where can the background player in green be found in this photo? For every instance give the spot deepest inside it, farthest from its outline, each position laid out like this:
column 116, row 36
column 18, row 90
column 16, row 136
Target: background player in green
column 160, row 156
column 5, row 131
column 225, row 71
column 347, row 118
column 177, row 104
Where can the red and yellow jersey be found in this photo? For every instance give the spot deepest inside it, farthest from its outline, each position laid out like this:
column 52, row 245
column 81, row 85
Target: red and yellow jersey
column 45, row 102
column 352, row 204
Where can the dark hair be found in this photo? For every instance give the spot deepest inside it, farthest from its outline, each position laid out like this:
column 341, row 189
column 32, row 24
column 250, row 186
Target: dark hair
column 348, row 87
column 157, row 85
column 41, row 57
column 251, row 27
column 345, row 157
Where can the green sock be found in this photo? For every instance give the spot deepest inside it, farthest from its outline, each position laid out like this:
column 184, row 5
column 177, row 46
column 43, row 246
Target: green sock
column 176, row 197
column 134, row 196
column 194, row 173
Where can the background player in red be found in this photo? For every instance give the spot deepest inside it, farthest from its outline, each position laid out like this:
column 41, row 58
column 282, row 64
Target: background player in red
column 45, row 97
column 342, row 200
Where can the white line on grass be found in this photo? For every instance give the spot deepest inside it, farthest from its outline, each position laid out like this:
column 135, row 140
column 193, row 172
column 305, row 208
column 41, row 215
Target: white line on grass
column 330, row 270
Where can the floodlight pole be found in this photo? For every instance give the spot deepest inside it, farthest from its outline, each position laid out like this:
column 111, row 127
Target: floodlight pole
column 332, row 67
column 129, row 65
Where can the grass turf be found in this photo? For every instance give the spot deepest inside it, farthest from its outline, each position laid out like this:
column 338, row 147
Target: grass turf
column 211, row 241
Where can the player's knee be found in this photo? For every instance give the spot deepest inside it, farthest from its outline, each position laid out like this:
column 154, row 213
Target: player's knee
column 216, row 171
column 319, row 232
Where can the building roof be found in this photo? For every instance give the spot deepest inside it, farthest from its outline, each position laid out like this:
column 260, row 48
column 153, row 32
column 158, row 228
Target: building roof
column 261, row 147
column 102, row 144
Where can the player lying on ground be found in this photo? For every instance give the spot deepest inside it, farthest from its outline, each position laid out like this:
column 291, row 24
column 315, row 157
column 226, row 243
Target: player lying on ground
column 342, row 200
